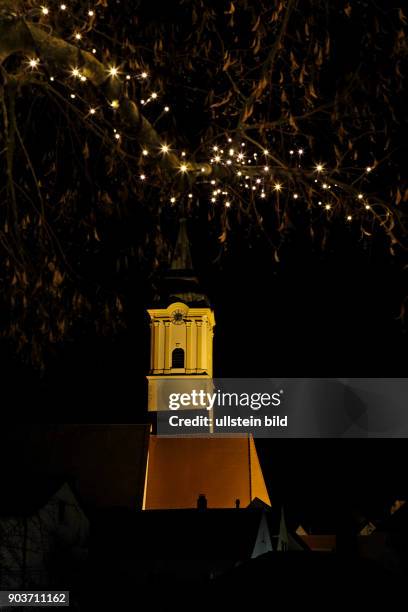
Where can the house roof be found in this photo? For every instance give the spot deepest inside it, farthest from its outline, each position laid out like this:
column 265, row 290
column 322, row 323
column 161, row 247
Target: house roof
column 25, row 494
column 105, row 464
column 181, row 534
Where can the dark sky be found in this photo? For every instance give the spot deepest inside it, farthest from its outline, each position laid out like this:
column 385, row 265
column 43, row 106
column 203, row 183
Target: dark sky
column 323, row 314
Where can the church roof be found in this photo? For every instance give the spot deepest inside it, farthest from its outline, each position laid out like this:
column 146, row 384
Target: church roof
column 180, row 282
column 105, row 464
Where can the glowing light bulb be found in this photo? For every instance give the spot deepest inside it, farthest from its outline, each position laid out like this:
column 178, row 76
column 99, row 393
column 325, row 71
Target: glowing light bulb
column 44, row 10
column 52, row 78
column 165, row 148
column 144, row 75
column 145, row 152
column 263, row 194
column 239, row 173
column 300, row 151
column 92, row 111
column 360, row 196
column 327, row 206
column 295, row 196
column 213, row 199
column 33, row 62
column 240, row 156
column 231, row 152
column 277, row 187
column 91, row 13
column 117, row 136
column 83, row 78
column 166, row 109
column 319, row 167
column 190, row 195
column 75, row 73
column 266, row 168
column 113, row 71
column 266, row 152
column 325, row 186
column 368, row 169
column 367, row 207
column 349, row 217
column 258, row 180
column 115, row 104
column 154, row 95
column 227, row 204
column 94, row 50
column 172, row 199
column 78, row 36
column 63, row 7
column 291, row 152
column 73, row 96
column 183, row 168
column 217, row 158
column 142, row 177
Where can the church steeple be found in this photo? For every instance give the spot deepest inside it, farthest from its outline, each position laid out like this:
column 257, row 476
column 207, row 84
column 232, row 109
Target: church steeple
column 182, row 328
column 180, row 282
column 182, row 254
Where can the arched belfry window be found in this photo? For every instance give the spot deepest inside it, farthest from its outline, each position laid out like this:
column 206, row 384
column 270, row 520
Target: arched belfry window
column 177, row 358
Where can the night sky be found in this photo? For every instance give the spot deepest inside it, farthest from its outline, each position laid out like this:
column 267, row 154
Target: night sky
column 331, row 312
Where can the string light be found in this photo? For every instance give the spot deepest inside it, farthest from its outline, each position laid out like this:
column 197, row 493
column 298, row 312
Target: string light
column 91, row 13
column 183, row 168
column 115, row 104
column 75, row 72
column 33, row 63
column 166, row 109
column 142, row 177
column 165, row 148
column 145, row 152
column 44, row 10
column 172, row 199
column 327, row 206
column 349, row 218
column 277, row 187
column 295, row 196
column 113, row 71
column 300, row 151
column 319, row 167
column 92, row 111
column 227, row 204
column 63, row 7
column 368, row 169
column 144, row 75
column 360, row 196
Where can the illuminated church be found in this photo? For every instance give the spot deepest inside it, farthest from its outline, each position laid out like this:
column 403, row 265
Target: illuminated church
column 180, row 470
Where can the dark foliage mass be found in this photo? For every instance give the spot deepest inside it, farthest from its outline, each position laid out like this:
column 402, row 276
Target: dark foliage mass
column 280, row 117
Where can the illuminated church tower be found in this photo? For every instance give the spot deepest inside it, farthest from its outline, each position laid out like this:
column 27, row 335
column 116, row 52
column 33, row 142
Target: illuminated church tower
column 179, row 470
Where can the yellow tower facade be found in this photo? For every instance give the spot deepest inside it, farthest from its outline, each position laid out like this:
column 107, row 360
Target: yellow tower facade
column 180, row 469
column 181, row 345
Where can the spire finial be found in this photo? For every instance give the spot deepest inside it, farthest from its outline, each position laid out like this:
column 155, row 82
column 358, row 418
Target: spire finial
column 182, row 255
